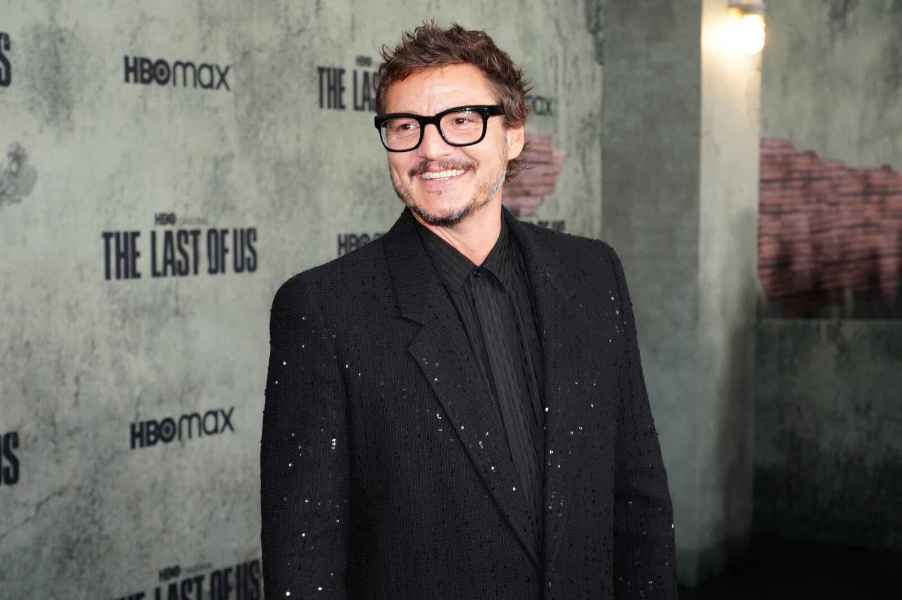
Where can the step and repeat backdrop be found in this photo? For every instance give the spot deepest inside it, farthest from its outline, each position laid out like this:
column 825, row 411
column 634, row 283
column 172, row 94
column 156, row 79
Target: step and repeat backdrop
column 163, row 168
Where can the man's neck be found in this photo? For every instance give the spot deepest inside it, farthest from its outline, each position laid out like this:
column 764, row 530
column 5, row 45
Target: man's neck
column 475, row 236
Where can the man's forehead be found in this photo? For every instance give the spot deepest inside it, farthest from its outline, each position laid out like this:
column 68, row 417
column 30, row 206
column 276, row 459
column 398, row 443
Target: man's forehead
column 439, row 87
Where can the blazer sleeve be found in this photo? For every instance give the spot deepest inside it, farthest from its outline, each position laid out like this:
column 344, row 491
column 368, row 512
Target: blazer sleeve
column 644, row 555
column 304, row 455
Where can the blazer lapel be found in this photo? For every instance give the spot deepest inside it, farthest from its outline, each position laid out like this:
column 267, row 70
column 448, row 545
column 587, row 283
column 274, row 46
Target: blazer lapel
column 555, row 282
column 442, row 352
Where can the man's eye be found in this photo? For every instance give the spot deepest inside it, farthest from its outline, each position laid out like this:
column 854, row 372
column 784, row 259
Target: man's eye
column 402, row 126
column 464, row 120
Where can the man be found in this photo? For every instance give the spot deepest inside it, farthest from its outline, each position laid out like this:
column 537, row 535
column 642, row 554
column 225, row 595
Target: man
column 457, row 410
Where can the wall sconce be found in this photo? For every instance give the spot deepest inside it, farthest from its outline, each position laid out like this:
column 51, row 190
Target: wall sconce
column 747, row 29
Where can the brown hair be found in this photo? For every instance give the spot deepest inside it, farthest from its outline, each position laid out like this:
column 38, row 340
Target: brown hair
column 429, row 46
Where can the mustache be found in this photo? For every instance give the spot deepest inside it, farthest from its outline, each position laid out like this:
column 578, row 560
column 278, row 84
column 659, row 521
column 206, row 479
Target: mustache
column 443, row 165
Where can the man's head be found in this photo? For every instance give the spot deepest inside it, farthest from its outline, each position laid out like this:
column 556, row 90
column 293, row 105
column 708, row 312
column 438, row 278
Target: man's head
column 433, row 70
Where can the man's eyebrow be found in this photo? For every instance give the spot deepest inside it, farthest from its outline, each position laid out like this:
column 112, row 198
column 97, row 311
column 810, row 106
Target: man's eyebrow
column 412, row 112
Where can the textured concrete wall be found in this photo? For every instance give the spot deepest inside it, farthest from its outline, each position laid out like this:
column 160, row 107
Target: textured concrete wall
column 827, row 459
column 650, row 151
column 832, row 75
column 97, row 498
column 727, row 279
column 680, row 193
column 828, row 444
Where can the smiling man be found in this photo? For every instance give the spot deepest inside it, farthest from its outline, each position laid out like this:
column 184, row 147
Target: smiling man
column 457, row 410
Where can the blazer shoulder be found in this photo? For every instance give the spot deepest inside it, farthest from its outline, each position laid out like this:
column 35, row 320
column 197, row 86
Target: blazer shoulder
column 574, row 245
column 331, row 277
column 590, row 256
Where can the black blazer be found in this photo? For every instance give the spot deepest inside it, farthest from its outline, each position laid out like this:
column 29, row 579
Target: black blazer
column 384, row 468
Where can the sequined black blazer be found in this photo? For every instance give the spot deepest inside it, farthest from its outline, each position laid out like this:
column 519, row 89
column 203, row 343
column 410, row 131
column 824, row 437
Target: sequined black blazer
column 384, row 467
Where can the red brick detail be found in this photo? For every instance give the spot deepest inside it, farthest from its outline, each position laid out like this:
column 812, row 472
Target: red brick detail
column 825, row 228
column 542, row 165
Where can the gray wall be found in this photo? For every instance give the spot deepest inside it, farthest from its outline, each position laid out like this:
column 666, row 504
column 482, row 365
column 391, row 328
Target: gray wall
column 680, row 157
column 832, row 75
column 87, row 359
column 828, row 424
column 652, row 122
column 828, row 441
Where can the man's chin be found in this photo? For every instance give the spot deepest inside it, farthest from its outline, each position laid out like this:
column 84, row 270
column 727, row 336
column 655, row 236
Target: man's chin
column 441, row 216
column 437, row 209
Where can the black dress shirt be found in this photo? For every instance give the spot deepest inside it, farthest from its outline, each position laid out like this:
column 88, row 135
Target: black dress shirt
column 495, row 306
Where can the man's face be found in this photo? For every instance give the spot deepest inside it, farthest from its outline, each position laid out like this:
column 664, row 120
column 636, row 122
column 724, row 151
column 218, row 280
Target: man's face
column 471, row 176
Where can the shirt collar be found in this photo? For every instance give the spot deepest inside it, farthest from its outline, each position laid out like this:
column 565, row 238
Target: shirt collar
column 454, row 268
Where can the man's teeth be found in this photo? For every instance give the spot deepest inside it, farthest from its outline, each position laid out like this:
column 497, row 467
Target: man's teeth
column 441, row 174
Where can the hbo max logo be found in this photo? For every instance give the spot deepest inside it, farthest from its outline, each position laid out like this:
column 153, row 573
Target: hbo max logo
column 146, row 71
column 152, row 432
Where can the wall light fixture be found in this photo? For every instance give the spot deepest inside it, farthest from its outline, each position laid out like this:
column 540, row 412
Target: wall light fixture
column 747, row 29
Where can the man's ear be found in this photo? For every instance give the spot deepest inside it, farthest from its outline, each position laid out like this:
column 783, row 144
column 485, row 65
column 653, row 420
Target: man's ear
column 516, row 137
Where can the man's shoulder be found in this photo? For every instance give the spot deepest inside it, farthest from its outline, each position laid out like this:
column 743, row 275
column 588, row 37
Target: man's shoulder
column 590, row 260
column 570, row 245
column 335, row 276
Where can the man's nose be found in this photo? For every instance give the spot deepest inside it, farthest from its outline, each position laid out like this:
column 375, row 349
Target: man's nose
column 433, row 145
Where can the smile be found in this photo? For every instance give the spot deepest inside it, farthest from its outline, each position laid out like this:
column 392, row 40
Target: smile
column 442, row 174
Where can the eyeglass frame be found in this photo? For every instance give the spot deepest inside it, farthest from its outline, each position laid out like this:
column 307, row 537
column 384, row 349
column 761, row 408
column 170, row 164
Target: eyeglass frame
column 486, row 110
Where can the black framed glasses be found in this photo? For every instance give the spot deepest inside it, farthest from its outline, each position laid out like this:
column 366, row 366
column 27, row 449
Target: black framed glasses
column 458, row 126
